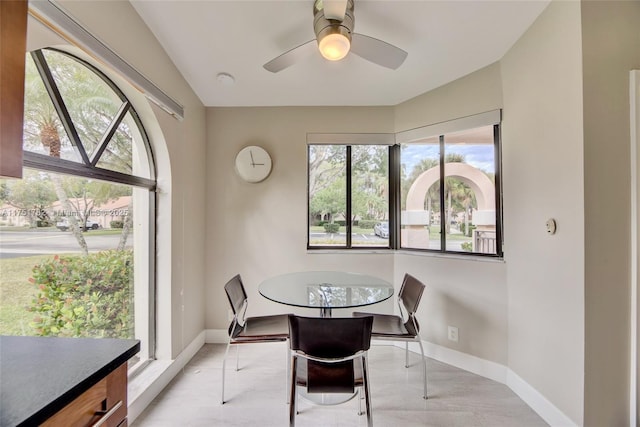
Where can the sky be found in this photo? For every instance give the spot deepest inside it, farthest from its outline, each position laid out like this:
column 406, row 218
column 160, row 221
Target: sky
column 479, row 155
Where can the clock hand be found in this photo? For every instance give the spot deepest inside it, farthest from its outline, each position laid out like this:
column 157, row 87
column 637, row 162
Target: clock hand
column 259, row 164
column 252, row 161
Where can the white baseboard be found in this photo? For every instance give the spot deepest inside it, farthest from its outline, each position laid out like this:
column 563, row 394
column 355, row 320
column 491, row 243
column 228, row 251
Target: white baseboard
column 144, row 387
column 499, row 373
column 485, row 368
column 540, row 404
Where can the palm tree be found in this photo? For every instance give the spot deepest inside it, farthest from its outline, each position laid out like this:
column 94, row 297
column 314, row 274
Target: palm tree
column 92, row 107
column 41, row 123
column 465, row 199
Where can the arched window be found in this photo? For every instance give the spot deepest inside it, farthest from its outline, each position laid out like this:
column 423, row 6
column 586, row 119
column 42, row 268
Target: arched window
column 77, row 246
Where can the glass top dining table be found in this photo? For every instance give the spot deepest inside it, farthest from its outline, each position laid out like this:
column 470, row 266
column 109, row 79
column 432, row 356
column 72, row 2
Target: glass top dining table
column 326, row 290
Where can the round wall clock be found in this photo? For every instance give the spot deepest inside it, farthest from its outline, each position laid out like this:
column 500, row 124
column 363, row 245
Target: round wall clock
column 253, row 163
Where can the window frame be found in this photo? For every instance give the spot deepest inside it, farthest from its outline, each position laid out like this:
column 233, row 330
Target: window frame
column 489, row 118
column 349, row 141
column 88, row 168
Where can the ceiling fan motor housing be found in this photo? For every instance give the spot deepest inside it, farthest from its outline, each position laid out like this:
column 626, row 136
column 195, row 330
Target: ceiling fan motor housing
column 323, row 26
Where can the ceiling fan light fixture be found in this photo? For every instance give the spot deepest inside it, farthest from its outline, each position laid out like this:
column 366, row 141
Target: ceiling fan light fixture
column 335, row 39
column 334, row 46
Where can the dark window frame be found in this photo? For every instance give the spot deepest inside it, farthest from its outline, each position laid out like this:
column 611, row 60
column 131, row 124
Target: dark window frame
column 88, row 168
column 348, row 177
column 394, row 199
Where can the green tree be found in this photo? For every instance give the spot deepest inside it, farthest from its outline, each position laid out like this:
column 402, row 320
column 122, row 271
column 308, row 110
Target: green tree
column 450, row 186
column 370, row 182
column 331, row 200
column 327, row 181
column 92, row 106
column 42, row 128
column 465, row 198
column 326, row 164
column 32, row 196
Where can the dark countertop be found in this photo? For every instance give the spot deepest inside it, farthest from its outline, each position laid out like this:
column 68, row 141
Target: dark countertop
column 39, row 376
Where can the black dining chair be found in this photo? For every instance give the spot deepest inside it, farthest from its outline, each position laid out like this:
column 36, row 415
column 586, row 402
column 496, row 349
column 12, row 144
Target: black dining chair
column 259, row 329
column 404, row 327
column 329, row 355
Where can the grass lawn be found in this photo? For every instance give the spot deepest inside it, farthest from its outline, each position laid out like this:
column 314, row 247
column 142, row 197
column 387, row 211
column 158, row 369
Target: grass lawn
column 16, row 293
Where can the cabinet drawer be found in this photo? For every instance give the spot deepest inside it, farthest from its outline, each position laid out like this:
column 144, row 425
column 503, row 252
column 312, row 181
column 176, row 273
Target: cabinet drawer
column 105, row 400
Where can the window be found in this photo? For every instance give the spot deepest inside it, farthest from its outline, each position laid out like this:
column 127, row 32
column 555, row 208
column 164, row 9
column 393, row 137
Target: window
column 348, row 194
column 76, row 247
column 437, row 189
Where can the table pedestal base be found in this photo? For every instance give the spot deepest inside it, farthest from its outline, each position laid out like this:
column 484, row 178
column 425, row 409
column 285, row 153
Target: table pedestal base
column 327, row 398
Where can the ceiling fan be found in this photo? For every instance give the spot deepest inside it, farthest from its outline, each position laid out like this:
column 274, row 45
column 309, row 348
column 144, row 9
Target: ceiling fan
column 333, row 22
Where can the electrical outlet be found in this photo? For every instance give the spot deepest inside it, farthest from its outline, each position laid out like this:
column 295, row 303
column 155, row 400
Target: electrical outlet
column 453, row 333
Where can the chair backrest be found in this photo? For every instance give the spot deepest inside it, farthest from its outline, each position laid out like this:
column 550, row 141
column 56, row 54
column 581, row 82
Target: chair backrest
column 411, row 293
column 236, row 294
column 330, row 337
column 238, row 300
column 409, row 297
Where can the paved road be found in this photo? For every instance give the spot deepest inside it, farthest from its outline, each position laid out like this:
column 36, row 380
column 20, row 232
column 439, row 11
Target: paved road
column 15, row 244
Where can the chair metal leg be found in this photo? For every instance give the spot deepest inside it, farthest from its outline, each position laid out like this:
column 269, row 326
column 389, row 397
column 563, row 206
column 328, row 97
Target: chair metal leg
column 224, row 363
column 406, row 354
column 237, row 358
column 288, row 372
column 292, row 396
column 367, row 394
column 424, row 367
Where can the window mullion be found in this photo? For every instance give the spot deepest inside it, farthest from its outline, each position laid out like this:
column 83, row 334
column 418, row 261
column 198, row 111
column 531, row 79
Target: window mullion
column 443, row 228
column 394, row 196
column 58, row 103
column 498, row 186
column 113, row 126
column 348, row 201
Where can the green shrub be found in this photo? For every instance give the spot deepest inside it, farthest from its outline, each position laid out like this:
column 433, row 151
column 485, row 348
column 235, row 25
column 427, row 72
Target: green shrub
column 331, row 227
column 84, row 296
column 116, row 223
column 467, row 246
column 367, row 223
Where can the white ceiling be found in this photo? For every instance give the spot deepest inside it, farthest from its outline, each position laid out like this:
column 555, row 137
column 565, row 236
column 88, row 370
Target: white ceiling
column 445, row 40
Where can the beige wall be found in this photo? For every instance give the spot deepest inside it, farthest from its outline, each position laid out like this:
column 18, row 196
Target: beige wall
column 611, row 48
column 461, row 292
column 179, row 147
column 259, row 230
column 475, row 93
column 543, row 178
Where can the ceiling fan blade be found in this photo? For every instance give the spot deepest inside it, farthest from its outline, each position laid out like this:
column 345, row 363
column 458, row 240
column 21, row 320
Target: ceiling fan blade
column 334, row 9
column 292, row 56
column 377, row 51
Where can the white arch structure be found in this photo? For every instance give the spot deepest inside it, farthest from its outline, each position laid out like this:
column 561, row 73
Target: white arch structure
column 415, row 218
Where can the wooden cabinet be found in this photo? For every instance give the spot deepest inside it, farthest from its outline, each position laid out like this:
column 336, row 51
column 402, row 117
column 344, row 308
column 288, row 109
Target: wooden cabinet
column 13, row 45
column 104, row 404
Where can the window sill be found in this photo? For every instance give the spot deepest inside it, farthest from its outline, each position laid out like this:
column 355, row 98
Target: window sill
column 387, row 251
column 451, row 256
column 383, row 251
column 145, row 378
